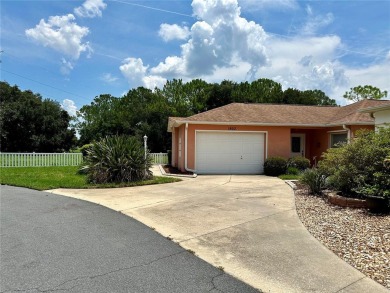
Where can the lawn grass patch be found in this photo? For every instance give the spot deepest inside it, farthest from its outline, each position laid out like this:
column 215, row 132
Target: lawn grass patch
column 290, row 177
column 44, row 178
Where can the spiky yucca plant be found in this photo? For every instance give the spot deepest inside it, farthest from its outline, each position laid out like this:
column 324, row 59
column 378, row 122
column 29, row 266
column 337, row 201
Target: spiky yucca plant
column 116, row 159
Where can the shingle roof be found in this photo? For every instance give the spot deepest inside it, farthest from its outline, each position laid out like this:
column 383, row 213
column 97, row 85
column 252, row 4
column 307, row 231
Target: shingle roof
column 285, row 114
column 350, row 114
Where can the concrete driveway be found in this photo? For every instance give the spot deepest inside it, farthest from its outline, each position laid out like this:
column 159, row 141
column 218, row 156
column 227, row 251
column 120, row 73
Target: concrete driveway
column 246, row 224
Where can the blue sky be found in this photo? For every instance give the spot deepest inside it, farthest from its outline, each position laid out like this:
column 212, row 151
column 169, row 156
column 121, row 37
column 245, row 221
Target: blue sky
column 72, row 51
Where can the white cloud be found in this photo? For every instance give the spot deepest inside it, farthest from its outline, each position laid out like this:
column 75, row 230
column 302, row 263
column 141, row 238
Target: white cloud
column 66, row 66
column 153, row 81
column 61, row 34
column 108, row 78
column 172, row 64
column 90, row 8
column 315, row 22
column 169, row 32
column 135, row 72
column 219, row 39
column 69, row 106
column 306, row 63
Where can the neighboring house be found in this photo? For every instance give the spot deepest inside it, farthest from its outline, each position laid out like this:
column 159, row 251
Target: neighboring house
column 381, row 114
column 237, row 138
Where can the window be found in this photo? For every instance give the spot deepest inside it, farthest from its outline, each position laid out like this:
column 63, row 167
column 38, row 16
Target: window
column 295, row 144
column 336, row 138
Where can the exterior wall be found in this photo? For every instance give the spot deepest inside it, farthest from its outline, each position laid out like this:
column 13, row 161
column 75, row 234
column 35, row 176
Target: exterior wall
column 382, row 117
column 355, row 128
column 175, row 134
column 181, row 148
column 178, row 144
column 278, row 140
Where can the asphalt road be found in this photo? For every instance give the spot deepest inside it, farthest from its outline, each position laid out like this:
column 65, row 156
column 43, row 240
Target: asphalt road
column 52, row 243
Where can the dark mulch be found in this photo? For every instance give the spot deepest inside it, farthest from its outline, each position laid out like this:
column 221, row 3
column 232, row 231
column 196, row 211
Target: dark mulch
column 173, row 170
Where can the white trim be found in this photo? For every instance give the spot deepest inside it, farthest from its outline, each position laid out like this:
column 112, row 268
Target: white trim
column 233, row 131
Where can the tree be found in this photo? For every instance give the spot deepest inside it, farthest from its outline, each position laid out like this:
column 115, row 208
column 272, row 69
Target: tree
column 265, row 90
column 291, row 96
column 316, row 97
column 308, row 97
column 29, row 123
column 101, row 118
column 176, row 95
column 197, row 92
column 220, row 94
column 140, row 112
column 359, row 93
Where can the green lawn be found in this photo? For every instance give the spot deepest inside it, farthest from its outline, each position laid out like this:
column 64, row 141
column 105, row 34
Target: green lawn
column 290, row 177
column 44, row 178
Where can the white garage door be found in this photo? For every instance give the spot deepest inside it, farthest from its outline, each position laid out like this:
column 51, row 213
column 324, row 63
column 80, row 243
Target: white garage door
column 229, row 152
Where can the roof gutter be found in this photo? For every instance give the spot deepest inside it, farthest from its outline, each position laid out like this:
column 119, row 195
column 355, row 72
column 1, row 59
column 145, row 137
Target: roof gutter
column 186, row 150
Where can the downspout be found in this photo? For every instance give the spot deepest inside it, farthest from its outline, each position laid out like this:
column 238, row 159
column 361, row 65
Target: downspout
column 186, row 150
column 348, row 132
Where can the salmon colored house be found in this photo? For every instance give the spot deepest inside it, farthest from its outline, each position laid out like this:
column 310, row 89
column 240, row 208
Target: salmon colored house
column 237, row 138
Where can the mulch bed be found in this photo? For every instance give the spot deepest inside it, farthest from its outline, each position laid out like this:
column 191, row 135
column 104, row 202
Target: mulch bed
column 173, row 170
column 357, row 236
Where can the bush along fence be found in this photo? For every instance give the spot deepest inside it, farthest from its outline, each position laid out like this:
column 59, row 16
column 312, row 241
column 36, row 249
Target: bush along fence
column 57, row 159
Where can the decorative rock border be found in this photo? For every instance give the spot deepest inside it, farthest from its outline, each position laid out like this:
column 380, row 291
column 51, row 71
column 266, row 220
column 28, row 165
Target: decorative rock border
column 347, row 202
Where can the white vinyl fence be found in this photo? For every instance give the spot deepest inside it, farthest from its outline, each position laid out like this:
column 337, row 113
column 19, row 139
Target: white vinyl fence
column 57, row 159
column 159, row 158
column 40, row 159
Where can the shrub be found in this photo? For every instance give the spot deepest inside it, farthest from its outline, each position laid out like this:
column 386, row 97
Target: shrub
column 275, row 166
column 84, row 149
column 116, row 159
column 359, row 169
column 293, row 171
column 75, row 150
column 314, row 179
column 299, row 162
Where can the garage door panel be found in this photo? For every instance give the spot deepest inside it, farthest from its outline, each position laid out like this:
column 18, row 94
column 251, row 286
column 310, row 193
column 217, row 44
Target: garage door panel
column 229, row 152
